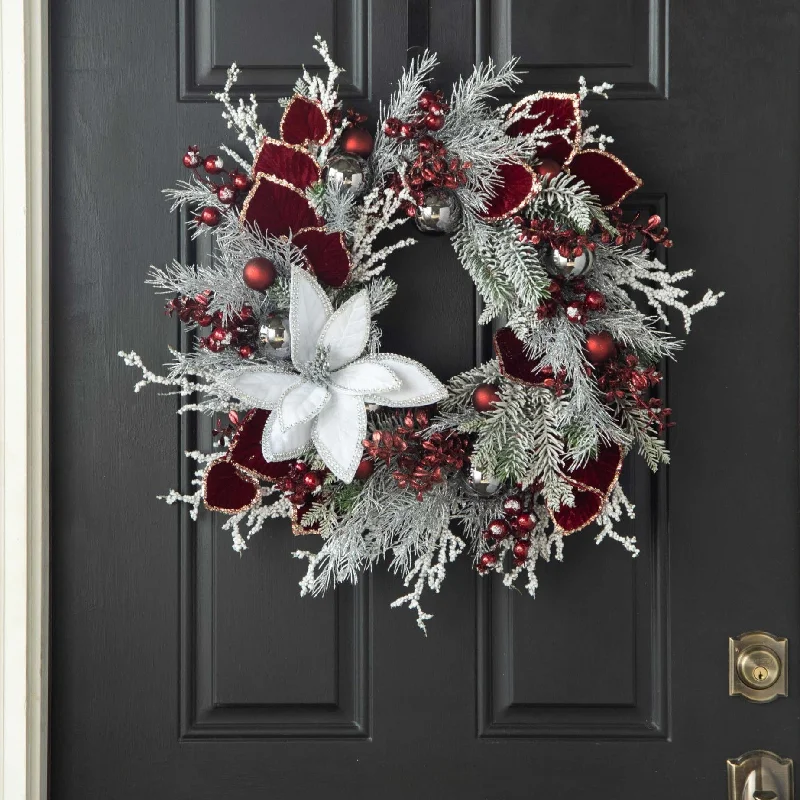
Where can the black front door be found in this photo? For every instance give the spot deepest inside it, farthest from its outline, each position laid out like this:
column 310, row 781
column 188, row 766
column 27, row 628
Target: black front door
column 182, row 670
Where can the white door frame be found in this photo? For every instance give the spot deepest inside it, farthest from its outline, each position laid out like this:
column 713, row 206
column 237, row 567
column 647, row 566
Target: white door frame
column 24, row 427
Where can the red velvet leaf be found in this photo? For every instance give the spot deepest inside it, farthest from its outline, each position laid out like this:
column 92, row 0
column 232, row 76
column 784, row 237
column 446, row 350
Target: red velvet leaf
column 304, row 121
column 277, row 208
column 552, row 112
column 514, row 361
column 245, row 450
column 226, row 488
column 518, row 185
column 593, row 483
column 584, row 512
column 605, row 175
column 287, row 162
column 326, row 254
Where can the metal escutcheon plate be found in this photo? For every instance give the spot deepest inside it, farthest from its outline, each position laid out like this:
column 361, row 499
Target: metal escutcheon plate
column 760, row 775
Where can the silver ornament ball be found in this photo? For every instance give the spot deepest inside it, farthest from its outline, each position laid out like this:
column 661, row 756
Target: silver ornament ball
column 275, row 333
column 482, row 485
column 439, row 212
column 572, row 266
column 349, row 172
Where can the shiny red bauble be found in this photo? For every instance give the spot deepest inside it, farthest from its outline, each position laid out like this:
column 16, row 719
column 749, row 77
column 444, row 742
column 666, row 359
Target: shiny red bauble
column 240, row 181
column 512, row 505
column 311, row 480
column 246, row 351
column 426, row 98
column 210, row 216
column 600, row 347
column 365, row 468
column 594, row 301
column 191, row 158
column 488, row 559
column 219, row 334
column 526, row 522
column 212, row 164
column 485, row 397
column 226, row 194
column 356, row 142
column 547, row 168
column 433, row 122
column 520, row 550
column 498, row 528
column 406, row 130
column 259, row 274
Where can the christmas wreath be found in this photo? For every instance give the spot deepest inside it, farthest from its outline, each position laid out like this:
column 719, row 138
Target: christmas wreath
column 368, row 450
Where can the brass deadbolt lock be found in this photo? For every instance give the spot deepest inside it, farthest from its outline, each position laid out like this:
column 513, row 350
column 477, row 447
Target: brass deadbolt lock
column 758, row 666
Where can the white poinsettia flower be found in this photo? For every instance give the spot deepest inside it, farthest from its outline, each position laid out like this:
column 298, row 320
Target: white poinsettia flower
column 320, row 395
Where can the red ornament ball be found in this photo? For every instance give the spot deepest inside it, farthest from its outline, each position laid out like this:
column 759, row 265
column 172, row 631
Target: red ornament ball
column 594, row 301
column 526, row 522
column 576, row 312
column 426, row 98
column 547, row 168
column 512, row 505
column 210, row 216
column 226, row 194
column 433, row 122
column 259, row 274
column 191, row 158
column 406, row 130
column 246, row 351
column 219, row 334
column 311, row 480
column 212, row 164
column 365, row 468
column 498, row 528
column 357, row 142
column 240, row 181
column 485, row 397
column 600, row 347
column 520, row 550
column 488, row 559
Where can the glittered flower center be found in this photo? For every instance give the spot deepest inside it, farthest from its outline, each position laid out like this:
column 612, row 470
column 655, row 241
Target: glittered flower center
column 317, row 371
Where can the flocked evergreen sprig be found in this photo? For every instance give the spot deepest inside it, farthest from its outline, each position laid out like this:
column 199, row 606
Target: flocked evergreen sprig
column 365, row 451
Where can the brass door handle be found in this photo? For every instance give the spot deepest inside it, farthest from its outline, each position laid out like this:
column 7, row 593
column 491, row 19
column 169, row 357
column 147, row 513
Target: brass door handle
column 760, row 775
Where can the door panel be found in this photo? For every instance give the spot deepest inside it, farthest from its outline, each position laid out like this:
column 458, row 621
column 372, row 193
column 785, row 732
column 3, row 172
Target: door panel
column 183, row 670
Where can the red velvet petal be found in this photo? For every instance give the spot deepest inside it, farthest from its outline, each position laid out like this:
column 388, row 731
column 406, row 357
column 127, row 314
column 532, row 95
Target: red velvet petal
column 304, row 121
column 518, row 185
column 514, row 361
column 226, row 488
column 298, row 529
column 584, row 512
column 276, row 207
column 593, row 482
column 605, row 175
column 245, row 450
column 552, row 112
column 287, row 162
column 602, row 472
column 326, row 254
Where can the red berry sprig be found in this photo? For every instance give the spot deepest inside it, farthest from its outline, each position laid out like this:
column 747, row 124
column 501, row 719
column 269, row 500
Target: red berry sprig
column 301, row 483
column 516, row 524
column 569, row 243
column 573, row 298
column 232, row 183
column 653, row 233
column 239, row 331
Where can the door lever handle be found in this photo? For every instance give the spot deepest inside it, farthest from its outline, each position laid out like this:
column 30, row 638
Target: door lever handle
column 760, row 775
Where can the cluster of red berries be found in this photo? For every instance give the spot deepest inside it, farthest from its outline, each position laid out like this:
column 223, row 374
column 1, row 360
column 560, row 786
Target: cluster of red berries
column 227, row 191
column 239, row 330
column 652, row 232
column 300, row 483
column 336, row 115
column 516, row 524
column 434, row 169
column 625, row 379
column 418, row 462
column 432, row 110
column 569, row 243
column 577, row 302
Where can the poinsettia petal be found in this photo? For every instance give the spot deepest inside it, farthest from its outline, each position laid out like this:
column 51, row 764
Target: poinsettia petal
column 518, row 184
column 287, row 162
column 278, row 445
column 245, row 449
column 550, row 111
column 326, row 254
column 261, row 388
column 347, row 331
column 304, row 121
column 605, row 175
column 587, row 508
column 309, row 310
column 599, row 473
column 276, row 207
column 513, row 360
column 228, row 489
column 338, row 433
column 593, row 482
column 364, row 376
column 300, row 404
column 418, row 385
